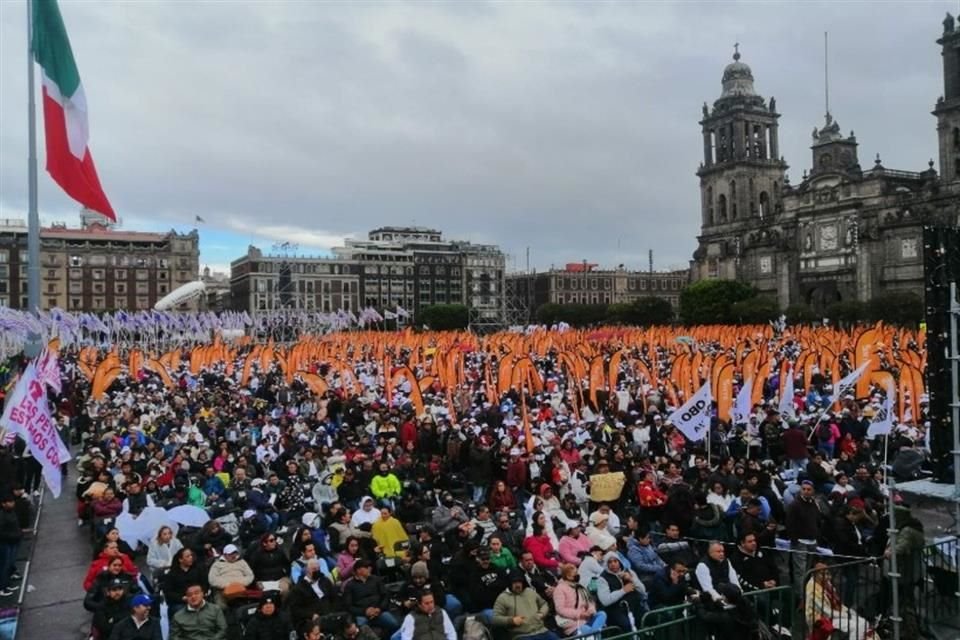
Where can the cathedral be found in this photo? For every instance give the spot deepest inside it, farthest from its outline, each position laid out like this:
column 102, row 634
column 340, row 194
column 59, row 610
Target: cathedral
column 845, row 232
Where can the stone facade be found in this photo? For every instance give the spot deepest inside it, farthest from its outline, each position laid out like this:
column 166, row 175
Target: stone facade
column 842, row 233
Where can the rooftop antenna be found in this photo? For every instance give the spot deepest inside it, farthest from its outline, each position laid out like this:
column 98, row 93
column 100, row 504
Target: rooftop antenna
column 826, row 75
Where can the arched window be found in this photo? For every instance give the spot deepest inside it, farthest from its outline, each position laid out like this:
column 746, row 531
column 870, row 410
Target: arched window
column 764, row 204
column 722, row 204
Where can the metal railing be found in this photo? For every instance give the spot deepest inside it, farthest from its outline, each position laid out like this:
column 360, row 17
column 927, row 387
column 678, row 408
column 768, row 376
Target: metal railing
column 933, row 593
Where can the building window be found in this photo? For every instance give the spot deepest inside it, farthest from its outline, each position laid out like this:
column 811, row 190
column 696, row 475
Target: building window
column 4, row 257
column 97, row 274
column 99, row 303
column 120, row 287
column 120, row 274
column 674, row 284
column 143, row 287
column 766, row 264
column 76, row 261
column 51, row 302
column 4, row 271
column 76, row 287
column 3, row 287
column 142, row 274
column 76, row 274
column 162, row 289
column 99, row 287
column 97, row 261
column 74, row 303
column 143, row 302
column 908, row 248
column 653, row 285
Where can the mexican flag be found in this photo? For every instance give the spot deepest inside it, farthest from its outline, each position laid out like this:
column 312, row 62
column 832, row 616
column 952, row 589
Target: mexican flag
column 65, row 111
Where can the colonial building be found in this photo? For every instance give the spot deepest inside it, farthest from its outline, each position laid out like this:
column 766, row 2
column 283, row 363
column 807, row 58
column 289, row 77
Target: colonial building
column 584, row 283
column 96, row 267
column 409, row 267
column 844, row 232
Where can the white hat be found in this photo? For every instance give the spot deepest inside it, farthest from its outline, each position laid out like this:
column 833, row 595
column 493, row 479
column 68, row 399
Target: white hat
column 230, row 548
column 249, row 513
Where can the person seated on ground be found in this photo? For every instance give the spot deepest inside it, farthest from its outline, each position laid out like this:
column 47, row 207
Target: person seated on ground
column 111, row 608
column 521, row 610
column 672, row 547
column 717, row 578
column 270, row 564
column 138, row 625
column 199, row 619
column 574, row 545
column 421, row 580
column 312, row 596
column 388, row 531
column 500, row 555
column 540, row 545
column 107, row 555
column 643, row 556
column 307, row 552
column 162, row 549
column 365, row 597
column 669, row 586
column 113, row 573
column 622, row 595
column 342, row 529
column 576, row 610
column 184, row 571
column 269, row 622
column 484, row 583
column 229, row 569
column 427, row 621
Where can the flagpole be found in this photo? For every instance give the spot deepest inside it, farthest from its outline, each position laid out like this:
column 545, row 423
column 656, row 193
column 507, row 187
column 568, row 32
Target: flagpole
column 33, row 214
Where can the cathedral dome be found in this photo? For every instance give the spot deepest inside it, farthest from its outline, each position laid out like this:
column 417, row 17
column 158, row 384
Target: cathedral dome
column 737, row 78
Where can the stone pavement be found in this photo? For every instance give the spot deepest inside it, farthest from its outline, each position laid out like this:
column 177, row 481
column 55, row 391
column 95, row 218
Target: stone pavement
column 53, row 605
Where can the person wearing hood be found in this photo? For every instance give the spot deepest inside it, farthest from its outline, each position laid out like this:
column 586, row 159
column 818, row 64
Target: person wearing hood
column 449, row 515
column 622, row 595
column 598, row 533
column 269, row 622
column 388, row 531
column 364, row 517
column 521, row 611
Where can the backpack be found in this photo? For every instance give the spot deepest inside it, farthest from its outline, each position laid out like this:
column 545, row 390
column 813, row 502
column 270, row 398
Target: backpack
column 473, row 629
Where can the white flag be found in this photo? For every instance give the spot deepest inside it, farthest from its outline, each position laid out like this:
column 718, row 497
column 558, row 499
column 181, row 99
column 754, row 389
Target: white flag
column 402, row 313
column 693, row 418
column 741, row 408
column 28, row 415
column 848, row 381
column 882, row 422
column 786, row 408
column 389, row 315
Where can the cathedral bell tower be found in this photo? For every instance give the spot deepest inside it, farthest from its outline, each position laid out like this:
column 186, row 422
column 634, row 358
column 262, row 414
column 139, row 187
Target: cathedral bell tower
column 947, row 110
column 741, row 174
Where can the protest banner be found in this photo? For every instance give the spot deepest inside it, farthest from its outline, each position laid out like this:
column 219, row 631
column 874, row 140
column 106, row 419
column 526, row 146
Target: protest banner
column 606, row 487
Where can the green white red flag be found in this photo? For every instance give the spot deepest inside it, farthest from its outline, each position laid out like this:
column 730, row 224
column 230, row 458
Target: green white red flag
column 65, row 111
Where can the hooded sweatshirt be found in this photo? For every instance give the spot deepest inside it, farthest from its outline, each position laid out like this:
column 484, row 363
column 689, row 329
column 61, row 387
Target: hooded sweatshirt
column 361, row 517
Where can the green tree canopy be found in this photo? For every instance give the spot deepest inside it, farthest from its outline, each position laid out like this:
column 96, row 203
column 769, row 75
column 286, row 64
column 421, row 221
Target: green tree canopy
column 755, row 310
column 896, row 307
column 444, row 317
column 576, row 315
column 709, row 301
column 641, row 312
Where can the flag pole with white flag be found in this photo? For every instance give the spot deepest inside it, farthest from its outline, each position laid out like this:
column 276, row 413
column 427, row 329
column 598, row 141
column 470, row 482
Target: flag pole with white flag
column 845, row 383
column 786, row 408
column 744, row 402
column 693, row 418
column 882, row 423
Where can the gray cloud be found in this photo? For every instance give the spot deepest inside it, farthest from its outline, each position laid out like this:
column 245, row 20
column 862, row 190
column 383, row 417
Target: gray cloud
column 567, row 127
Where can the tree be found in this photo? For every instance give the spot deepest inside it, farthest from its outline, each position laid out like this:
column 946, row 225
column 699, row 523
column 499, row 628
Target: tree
column 444, row 317
column 896, row 307
column 641, row 312
column 755, row 310
column 847, row 312
column 576, row 315
column 709, row 301
column 801, row 314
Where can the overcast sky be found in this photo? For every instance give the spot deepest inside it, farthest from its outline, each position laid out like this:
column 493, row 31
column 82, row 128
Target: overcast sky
column 570, row 128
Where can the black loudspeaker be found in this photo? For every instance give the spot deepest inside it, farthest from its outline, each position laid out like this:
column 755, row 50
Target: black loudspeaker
column 286, row 285
column 941, row 266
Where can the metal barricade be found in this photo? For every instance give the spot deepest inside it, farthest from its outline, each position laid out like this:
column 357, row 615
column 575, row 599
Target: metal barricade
column 848, row 594
column 934, row 586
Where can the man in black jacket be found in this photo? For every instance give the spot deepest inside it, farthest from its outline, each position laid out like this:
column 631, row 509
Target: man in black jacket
column 803, row 528
column 313, row 596
column 755, row 568
column 138, row 625
column 669, row 586
column 484, row 585
column 366, row 598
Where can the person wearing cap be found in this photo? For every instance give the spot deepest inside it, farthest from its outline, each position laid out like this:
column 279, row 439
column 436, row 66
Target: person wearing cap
column 597, row 532
column 366, row 598
column 199, row 619
column 269, row 622
column 420, row 581
column 229, row 569
column 521, row 611
column 138, row 625
column 427, row 621
column 111, row 608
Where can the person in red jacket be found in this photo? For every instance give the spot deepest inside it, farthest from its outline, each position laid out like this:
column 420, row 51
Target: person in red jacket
column 110, row 551
column 648, row 494
column 502, row 498
column 540, row 545
column 517, row 472
column 795, row 446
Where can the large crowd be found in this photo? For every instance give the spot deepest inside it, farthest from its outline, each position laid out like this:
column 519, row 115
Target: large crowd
column 364, row 512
